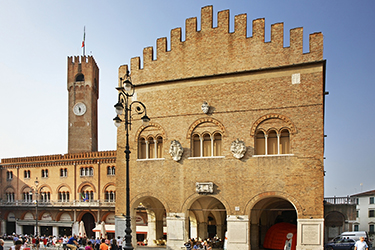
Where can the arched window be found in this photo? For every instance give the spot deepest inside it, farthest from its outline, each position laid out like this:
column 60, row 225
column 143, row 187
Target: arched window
column 9, row 175
column 150, row 142
column 91, row 171
column 26, row 174
column 272, row 142
column 217, row 144
column 45, row 173
column 142, row 148
column 284, row 142
column 206, row 145
column 196, row 146
column 63, row 172
column 113, row 170
column 10, row 196
column 82, row 171
column 45, row 196
column 151, row 147
column 260, row 145
column 80, row 78
column 27, row 196
column 160, row 147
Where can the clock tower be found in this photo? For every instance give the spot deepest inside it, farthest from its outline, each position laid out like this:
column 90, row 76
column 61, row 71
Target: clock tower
column 83, row 88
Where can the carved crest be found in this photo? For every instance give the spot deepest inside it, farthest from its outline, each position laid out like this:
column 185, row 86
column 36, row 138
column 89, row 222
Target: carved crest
column 238, row 148
column 176, row 150
column 205, row 107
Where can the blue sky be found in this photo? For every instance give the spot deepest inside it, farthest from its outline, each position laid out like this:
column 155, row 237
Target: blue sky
column 37, row 36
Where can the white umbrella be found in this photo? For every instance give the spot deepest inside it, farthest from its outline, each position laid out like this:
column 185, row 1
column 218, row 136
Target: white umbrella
column 81, row 230
column 103, row 232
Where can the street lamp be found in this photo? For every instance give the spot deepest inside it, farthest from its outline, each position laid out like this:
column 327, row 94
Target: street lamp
column 126, row 90
column 36, row 183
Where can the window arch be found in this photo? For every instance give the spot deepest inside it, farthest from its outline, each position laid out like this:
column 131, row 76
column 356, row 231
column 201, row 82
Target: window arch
column 86, row 171
column 80, row 78
column 9, row 175
column 272, row 142
column 87, row 193
column 26, row 174
column 64, row 194
column 111, row 170
column 63, row 172
column 110, row 194
column 44, row 173
column 150, row 147
column 150, row 141
column 206, row 145
column 272, row 134
column 206, row 138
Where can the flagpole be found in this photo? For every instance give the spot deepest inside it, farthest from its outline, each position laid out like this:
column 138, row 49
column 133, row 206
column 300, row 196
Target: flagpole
column 83, row 42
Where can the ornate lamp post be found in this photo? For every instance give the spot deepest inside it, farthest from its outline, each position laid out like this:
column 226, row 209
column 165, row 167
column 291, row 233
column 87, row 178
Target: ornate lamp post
column 125, row 91
column 36, row 183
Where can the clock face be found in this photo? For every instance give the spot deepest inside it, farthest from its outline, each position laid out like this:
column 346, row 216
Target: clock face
column 79, row 109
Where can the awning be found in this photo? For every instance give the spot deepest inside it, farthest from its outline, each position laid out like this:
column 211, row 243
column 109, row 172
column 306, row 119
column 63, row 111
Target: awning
column 108, row 228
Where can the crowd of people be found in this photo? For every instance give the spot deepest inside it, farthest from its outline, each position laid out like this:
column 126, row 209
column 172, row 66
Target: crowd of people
column 73, row 242
column 207, row 244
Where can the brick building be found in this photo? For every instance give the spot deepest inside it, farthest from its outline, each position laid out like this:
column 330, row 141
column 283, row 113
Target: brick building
column 72, row 187
column 247, row 116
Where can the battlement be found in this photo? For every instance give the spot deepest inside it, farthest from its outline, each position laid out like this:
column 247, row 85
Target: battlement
column 65, row 159
column 212, row 51
column 85, row 65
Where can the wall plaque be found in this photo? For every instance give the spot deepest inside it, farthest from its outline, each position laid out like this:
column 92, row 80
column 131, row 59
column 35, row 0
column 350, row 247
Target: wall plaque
column 311, row 234
column 204, row 187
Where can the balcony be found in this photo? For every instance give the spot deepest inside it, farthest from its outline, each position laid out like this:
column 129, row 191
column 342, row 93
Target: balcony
column 339, row 200
column 73, row 204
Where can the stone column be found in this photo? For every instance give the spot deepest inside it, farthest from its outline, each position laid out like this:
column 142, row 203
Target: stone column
column 151, row 230
column 238, row 232
column 202, row 230
column 3, row 227
column 254, row 236
column 193, row 230
column 75, row 228
column 310, row 234
column 176, row 230
column 159, row 229
column 19, row 228
column 55, row 231
column 219, row 231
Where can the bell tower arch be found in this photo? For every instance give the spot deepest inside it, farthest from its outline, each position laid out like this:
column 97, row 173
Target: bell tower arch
column 83, row 89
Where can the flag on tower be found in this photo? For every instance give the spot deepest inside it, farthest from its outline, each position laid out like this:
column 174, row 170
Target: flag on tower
column 84, row 34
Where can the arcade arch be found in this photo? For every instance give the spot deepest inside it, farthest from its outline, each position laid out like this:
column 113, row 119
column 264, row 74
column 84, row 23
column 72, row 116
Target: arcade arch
column 207, row 218
column 151, row 221
column 266, row 213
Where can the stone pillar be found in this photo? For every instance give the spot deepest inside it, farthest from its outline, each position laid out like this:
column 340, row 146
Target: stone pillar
column 176, row 230
column 202, row 230
column 254, row 236
column 119, row 227
column 193, row 229
column 238, row 232
column 310, row 234
column 3, row 227
column 219, row 231
column 19, row 228
column 159, row 229
column 151, row 229
column 75, row 228
column 55, row 231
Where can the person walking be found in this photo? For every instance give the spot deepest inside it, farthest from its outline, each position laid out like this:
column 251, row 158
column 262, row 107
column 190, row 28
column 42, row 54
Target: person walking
column 361, row 244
